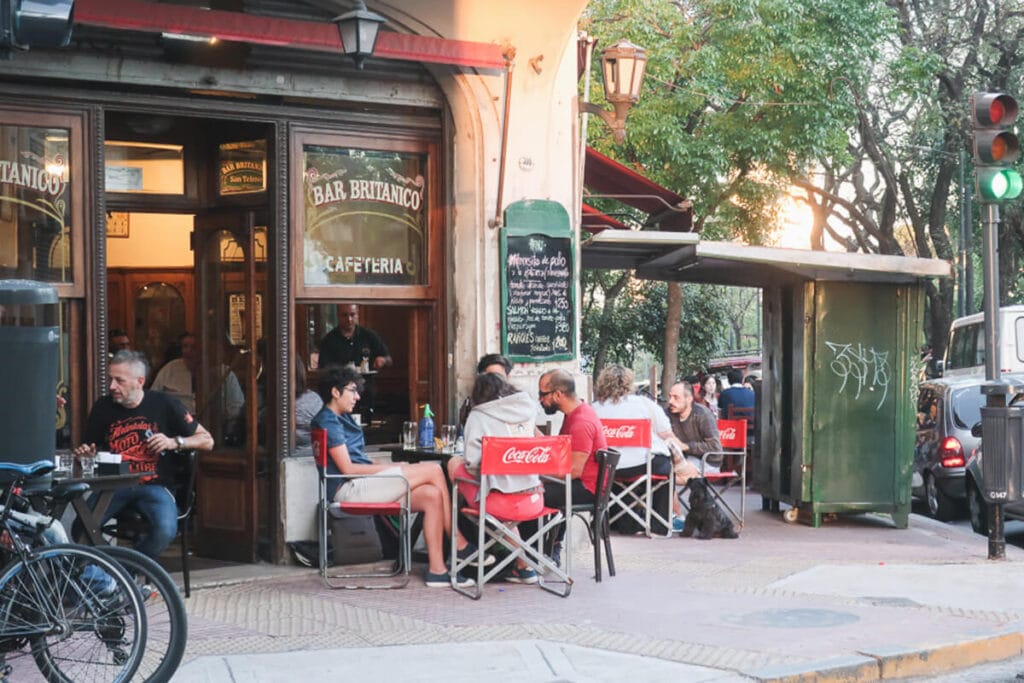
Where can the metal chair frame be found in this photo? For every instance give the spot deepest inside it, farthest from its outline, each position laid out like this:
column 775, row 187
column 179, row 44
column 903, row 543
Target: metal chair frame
column 638, row 490
column 400, row 508
column 598, row 525
column 551, row 458
column 733, row 436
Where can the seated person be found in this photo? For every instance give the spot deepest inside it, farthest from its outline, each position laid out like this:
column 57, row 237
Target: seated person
column 696, row 430
column 178, row 378
column 499, row 409
column 339, row 388
column 142, row 426
column 490, row 362
column 738, row 395
column 307, row 404
column 616, row 398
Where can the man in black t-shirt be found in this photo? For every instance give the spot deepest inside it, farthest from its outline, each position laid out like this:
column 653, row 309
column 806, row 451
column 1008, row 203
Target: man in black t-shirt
column 142, row 426
column 352, row 343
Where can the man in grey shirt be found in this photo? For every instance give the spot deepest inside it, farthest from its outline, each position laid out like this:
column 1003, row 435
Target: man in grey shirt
column 694, row 425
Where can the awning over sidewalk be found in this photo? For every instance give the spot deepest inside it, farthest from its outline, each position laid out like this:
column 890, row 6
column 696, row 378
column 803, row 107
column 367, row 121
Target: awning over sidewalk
column 685, row 258
column 605, row 177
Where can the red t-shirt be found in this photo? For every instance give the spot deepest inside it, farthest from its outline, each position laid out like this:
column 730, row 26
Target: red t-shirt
column 584, row 427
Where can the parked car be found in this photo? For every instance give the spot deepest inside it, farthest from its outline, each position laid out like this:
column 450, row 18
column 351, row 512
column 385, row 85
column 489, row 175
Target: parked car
column 947, row 408
column 974, row 483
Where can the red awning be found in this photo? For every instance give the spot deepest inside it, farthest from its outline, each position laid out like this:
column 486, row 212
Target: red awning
column 596, row 221
column 666, row 210
column 136, row 15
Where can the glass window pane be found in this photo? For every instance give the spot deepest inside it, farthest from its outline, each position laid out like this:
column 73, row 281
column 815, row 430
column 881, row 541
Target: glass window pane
column 145, row 167
column 365, row 217
column 35, row 204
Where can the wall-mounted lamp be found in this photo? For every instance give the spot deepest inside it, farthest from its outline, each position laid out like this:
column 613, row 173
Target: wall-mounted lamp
column 358, row 31
column 623, row 65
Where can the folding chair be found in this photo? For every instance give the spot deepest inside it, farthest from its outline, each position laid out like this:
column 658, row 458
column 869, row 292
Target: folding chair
column 733, row 436
column 400, row 509
column 639, row 490
column 596, row 513
column 548, row 456
column 748, row 414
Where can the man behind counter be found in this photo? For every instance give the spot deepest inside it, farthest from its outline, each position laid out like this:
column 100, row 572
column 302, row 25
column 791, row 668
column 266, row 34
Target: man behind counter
column 350, row 342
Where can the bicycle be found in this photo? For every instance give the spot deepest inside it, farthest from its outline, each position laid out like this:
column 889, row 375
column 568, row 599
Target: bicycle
column 75, row 610
column 166, row 617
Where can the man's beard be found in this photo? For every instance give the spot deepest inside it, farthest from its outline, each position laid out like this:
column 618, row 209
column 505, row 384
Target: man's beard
column 551, row 409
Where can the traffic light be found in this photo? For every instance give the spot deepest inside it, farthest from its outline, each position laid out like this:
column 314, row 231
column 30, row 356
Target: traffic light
column 35, row 23
column 996, row 147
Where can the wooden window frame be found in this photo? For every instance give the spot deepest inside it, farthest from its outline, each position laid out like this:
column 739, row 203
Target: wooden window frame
column 432, row 288
column 78, row 188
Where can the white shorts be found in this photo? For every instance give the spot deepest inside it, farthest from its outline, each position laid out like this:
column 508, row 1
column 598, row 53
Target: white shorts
column 375, row 488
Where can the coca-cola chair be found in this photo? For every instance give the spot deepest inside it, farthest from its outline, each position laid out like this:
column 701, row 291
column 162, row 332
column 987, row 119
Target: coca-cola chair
column 547, row 456
column 595, row 515
column 336, row 577
column 634, row 496
column 733, row 436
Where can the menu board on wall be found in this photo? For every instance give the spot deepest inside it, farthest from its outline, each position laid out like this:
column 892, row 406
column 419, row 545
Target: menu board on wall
column 537, row 283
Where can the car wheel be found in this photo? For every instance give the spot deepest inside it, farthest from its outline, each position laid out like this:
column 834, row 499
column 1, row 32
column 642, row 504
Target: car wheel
column 940, row 506
column 977, row 509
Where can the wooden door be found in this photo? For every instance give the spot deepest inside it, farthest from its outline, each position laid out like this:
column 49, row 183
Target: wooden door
column 230, row 274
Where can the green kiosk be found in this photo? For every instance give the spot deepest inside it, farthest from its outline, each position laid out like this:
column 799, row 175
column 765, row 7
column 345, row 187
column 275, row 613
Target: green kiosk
column 841, row 340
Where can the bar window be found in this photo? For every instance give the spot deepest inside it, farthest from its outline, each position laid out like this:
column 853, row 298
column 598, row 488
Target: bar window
column 365, row 216
column 35, row 204
column 144, row 167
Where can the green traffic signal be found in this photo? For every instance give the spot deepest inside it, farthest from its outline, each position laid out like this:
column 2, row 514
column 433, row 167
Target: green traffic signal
column 998, row 184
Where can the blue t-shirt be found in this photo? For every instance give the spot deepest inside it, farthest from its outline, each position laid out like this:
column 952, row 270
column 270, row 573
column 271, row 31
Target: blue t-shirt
column 738, row 396
column 341, row 430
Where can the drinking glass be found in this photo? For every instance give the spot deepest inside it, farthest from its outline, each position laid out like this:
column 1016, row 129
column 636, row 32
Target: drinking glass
column 88, row 463
column 448, row 433
column 64, row 462
column 409, row 433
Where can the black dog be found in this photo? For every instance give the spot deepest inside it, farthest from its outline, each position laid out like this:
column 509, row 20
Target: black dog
column 705, row 517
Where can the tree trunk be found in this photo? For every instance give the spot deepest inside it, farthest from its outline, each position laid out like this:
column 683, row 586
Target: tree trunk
column 673, row 319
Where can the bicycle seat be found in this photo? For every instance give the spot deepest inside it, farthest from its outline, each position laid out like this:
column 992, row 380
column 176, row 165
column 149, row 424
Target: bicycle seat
column 35, row 469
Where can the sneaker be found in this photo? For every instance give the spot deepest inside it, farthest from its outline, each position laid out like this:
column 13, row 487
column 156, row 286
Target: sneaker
column 521, row 575
column 470, row 551
column 444, row 580
column 678, row 523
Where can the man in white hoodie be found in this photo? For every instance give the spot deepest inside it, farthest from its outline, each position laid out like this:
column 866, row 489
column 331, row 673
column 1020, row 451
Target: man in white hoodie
column 499, row 409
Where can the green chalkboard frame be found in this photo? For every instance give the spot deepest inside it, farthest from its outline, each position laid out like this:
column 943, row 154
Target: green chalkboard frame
column 548, row 220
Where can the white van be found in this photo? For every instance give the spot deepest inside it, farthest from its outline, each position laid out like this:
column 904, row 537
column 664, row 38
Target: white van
column 965, row 353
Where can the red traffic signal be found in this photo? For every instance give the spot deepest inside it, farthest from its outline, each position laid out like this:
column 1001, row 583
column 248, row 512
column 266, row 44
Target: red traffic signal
column 993, row 109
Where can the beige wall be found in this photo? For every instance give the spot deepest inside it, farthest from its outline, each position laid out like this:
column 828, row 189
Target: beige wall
column 154, row 240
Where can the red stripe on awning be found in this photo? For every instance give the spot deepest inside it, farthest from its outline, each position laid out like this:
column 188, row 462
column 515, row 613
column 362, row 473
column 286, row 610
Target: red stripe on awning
column 605, row 176
column 135, row 15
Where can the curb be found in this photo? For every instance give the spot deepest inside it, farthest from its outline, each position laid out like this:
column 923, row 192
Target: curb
column 899, row 662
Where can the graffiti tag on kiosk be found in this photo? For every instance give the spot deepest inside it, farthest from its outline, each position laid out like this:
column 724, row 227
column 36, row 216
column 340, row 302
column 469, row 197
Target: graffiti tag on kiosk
column 861, row 368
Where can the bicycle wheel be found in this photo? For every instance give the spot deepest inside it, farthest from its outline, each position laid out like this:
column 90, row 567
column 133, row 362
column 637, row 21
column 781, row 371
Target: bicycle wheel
column 80, row 614
column 166, row 619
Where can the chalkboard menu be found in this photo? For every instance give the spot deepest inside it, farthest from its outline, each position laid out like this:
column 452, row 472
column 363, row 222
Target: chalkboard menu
column 538, row 314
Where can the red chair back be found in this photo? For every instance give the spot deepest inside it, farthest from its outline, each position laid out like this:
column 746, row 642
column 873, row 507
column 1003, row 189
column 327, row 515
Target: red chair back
column 319, row 439
column 733, row 434
column 619, row 433
column 550, row 455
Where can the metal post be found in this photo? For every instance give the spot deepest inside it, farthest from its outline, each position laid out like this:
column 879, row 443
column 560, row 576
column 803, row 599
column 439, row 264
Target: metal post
column 996, row 393
column 961, row 260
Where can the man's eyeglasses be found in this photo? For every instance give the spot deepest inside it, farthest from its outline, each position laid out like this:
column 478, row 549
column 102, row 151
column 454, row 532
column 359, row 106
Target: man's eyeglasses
column 352, row 389
column 542, row 394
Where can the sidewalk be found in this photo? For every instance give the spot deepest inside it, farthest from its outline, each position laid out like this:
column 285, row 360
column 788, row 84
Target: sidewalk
column 854, row 600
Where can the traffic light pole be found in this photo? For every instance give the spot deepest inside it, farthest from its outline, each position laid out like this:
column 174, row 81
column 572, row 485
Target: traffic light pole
column 996, row 393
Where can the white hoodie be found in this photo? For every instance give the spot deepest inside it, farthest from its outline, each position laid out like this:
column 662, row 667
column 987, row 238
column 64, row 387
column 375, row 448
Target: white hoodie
column 513, row 415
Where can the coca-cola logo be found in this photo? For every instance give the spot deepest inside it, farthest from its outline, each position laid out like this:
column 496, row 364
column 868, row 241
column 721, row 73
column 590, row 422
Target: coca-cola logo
column 729, row 434
column 535, row 455
column 620, row 432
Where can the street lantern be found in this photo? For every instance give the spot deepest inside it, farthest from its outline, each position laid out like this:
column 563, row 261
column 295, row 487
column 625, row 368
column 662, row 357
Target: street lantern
column 358, row 30
column 623, row 65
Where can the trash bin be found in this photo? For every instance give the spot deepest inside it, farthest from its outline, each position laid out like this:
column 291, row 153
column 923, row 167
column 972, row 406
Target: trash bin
column 1003, row 432
column 29, row 340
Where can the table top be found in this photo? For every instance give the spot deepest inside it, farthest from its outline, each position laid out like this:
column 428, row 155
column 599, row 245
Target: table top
column 107, row 480
column 402, row 454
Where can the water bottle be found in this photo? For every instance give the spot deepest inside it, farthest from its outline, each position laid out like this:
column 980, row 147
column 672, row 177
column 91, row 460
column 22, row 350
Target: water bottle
column 426, row 437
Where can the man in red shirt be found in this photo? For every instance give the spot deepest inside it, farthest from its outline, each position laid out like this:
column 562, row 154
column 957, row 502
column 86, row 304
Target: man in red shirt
column 557, row 393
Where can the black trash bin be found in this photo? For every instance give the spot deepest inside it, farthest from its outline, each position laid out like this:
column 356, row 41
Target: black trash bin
column 29, row 340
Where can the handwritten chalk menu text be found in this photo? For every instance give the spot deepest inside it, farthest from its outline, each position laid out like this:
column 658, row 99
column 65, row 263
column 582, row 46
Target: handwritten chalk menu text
column 538, row 316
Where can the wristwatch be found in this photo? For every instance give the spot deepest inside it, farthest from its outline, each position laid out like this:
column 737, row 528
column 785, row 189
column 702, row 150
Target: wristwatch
column 181, row 441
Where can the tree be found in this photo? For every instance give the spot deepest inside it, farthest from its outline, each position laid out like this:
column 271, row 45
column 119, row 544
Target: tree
column 737, row 101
